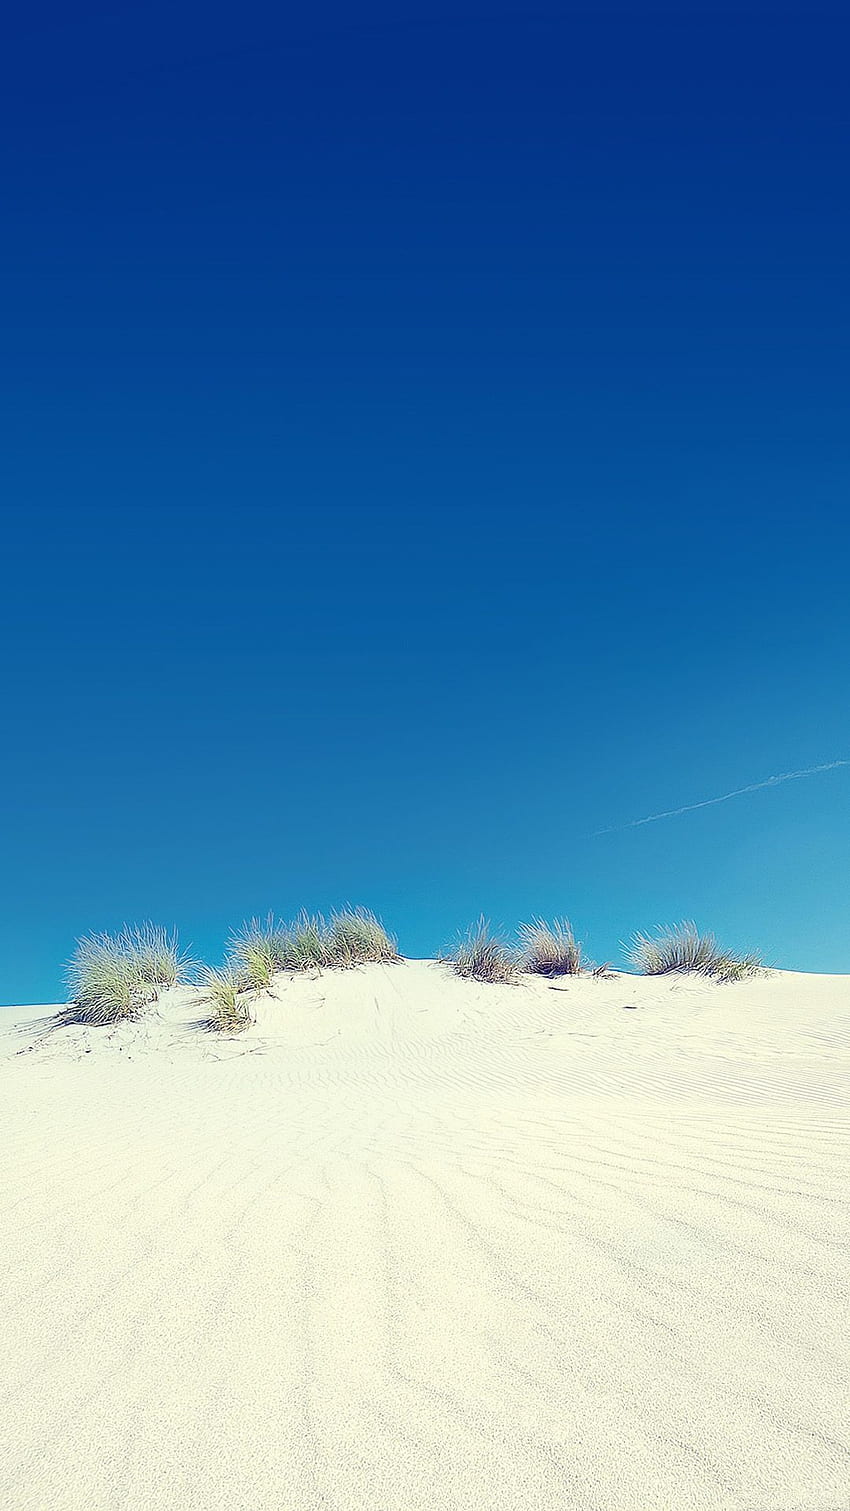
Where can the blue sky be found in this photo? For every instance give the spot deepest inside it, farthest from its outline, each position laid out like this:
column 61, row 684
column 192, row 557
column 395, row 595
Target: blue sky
column 426, row 445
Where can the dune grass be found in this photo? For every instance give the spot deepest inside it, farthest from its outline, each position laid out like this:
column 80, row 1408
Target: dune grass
column 356, row 937
column 684, row 949
column 740, row 967
column 256, row 951
column 226, row 989
column 158, row 955
column 112, row 977
column 305, row 944
column 480, row 955
column 550, row 949
column 352, row 936
column 262, row 947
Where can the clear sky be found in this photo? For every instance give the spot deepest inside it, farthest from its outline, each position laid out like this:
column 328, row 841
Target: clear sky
column 426, row 445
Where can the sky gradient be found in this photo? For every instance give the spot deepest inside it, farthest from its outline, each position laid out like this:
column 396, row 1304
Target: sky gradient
column 426, row 445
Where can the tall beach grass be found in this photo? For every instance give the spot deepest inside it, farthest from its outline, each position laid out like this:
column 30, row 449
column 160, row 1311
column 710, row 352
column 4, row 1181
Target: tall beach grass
column 352, row 936
column 262, row 948
column 112, row 977
column 683, row 948
column 158, row 955
column 355, row 936
column 256, row 951
column 550, row 949
column 226, row 990
column 305, row 944
column 481, row 955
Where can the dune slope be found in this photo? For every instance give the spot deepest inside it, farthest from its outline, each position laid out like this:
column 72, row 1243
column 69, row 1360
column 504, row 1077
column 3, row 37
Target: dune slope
column 414, row 1244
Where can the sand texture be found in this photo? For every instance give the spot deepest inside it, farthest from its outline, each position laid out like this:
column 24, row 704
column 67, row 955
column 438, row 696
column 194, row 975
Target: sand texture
column 414, row 1244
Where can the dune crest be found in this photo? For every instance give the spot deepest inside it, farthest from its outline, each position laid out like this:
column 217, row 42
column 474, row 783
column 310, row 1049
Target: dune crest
column 413, row 1243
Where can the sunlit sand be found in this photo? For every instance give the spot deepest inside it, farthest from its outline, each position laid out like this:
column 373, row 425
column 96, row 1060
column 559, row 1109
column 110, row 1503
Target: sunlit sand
column 413, row 1243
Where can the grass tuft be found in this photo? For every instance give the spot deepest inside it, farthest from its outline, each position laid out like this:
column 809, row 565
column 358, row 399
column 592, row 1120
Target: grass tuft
column 480, row 955
column 353, row 936
column 112, row 977
column 306, row 946
column 158, row 955
column 684, row 948
column 356, row 937
column 739, row 968
column 225, row 989
column 550, row 949
column 257, row 951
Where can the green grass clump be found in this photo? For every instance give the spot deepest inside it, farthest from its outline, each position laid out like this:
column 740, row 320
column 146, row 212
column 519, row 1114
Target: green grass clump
column 111, row 977
column 355, row 936
column 225, row 990
column 480, row 955
column 550, row 949
column 256, row 951
column 305, row 943
column 684, row 948
column 158, row 956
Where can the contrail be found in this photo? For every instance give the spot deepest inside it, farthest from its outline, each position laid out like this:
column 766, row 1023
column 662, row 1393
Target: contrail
column 709, row 802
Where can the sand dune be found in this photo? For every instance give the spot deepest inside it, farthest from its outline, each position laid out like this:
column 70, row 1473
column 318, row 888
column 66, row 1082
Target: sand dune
column 414, row 1244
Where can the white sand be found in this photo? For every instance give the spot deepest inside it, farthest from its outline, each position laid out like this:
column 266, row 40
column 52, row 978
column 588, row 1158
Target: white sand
column 415, row 1244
